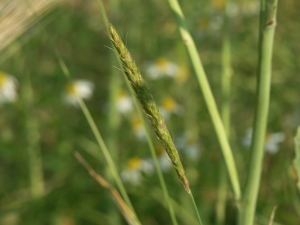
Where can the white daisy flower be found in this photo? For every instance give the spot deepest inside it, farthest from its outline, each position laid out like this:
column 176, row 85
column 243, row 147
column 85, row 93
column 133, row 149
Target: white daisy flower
column 124, row 102
column 162, row 67
column 187, row 144
column 169, row 106
column 135, row 169
column 81, row 88
column 138, row 128
column 272, row 141
column 8, row 88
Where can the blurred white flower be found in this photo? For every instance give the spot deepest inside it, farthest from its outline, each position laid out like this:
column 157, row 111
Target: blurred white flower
column 272, row 141
column 124, row 102
column 81, row 88
column 232, row 9
column 8, row 88
column 190, row 146
column 162, row 67
column 135, row 169
column 216, row 23
column 138, row 128
column 248, row 8
column 169, row 106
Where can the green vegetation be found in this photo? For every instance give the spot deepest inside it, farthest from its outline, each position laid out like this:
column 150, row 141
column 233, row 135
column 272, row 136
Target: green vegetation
column 213, row 71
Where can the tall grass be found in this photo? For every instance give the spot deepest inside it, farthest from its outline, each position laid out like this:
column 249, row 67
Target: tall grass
column 138, row 206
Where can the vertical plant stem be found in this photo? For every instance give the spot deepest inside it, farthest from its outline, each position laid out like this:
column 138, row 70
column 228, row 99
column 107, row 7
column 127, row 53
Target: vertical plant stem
column 114, row 120
column 92, row 125
column 33, row 137
column 267, row 30
column 154, row 157
column 150, row 143
column 208, row 97
column 114, row 117
column 148, row 104
column 150, row 108
column 225, row 114
column 195, row 207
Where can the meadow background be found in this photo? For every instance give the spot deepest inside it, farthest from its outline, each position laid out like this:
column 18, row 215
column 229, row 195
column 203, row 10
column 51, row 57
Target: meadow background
column 40, row 119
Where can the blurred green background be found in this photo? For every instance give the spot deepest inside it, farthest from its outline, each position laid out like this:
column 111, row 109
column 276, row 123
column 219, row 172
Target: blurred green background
column 45, row 122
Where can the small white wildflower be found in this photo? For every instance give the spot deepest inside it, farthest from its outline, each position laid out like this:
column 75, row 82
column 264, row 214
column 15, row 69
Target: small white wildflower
column 169, row 106
column 162, row 67
column 81, row 88
column 272, row 141
column 124, row 102
column 8, row 88
column 189, row 146
column 135, row 169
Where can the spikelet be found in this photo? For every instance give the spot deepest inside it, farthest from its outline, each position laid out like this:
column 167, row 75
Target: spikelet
column 148, row 104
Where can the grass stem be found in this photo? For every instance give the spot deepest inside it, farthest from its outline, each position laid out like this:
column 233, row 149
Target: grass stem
column 267, row 30
column 208, row 97
column 225, row 114
column 92, row 124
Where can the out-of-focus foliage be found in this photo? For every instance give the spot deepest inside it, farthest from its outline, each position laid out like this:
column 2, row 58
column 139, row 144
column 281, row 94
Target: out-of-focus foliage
column 150, row 32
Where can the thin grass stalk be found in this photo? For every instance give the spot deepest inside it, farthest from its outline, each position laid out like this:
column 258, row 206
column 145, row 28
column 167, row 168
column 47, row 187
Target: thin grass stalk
column 124, row 209
column 180, row 210
column 148, row 136
column 154, row 157
column 150, row 108
column 92, row 125
column 114, row 117
column 267, row 30
column 114, row 121
column 225, row 113
column 148, row 104
column 32, row 135
column 102, row 146
column 208, row 97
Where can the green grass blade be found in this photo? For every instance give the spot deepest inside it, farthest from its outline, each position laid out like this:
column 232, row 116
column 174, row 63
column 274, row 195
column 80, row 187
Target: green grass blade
column 208, row 97
column 267, row 29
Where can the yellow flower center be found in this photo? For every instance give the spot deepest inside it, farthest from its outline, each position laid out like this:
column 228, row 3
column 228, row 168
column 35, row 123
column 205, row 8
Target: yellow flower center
column 191, row 141
column 159, row 150
column 122, row 94
column 182, row 76
column 162, row 63
column 136, row 123
column 219, row 4
column 169, row 104
column 134, row 163
column 267, row 138
column 203, row 24
column 70, row 88
column 3, row 78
